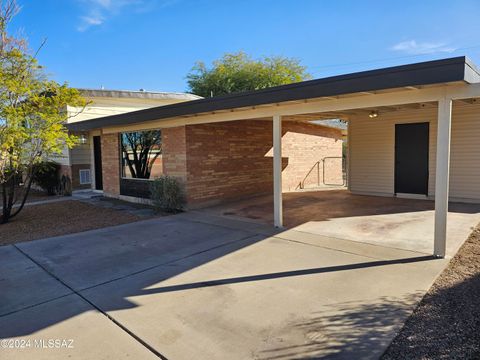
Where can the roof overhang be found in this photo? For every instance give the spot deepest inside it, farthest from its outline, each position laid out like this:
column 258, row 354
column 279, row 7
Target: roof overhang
column 458, row 70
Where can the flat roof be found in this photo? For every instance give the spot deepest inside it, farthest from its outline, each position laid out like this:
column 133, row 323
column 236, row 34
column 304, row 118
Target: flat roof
column 424, row 73
column 139, row 94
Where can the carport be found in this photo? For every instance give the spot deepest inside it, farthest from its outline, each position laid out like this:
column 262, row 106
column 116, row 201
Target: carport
column 427, row 90
column 336, row 213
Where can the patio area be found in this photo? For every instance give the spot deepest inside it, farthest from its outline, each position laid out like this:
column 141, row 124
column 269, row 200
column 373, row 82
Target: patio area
column 388, row 221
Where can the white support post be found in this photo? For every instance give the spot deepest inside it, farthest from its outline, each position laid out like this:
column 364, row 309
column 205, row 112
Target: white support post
column 277, row 171
column 442, row 175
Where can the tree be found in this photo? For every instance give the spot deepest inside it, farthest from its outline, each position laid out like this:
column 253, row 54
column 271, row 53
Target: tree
column 238, row 72
column 32, row 115
column 140, row 150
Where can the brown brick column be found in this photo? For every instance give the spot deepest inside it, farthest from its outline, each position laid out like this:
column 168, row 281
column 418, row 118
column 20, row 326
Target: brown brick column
column 174, row 148
column 111, row 164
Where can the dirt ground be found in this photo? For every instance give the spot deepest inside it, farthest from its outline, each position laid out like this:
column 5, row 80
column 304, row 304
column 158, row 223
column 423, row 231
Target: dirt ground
column 446, row 324
column 60, row 218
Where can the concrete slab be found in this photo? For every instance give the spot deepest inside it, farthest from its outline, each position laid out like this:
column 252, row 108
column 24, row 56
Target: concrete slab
column 199, row 286
column 406, row 230
column 94, row 257
column 387, row 221
column 23, row 283
column 271, row 299
column 372, row 251
column 80, row 331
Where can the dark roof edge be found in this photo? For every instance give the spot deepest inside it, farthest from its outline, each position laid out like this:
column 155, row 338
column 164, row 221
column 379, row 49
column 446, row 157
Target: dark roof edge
column 424, row 73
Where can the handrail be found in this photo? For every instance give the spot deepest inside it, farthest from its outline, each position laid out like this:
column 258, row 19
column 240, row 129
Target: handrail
column 301, row 184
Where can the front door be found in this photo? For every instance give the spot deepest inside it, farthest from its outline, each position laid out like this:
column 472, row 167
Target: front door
column 97, row 158
column 411, row 158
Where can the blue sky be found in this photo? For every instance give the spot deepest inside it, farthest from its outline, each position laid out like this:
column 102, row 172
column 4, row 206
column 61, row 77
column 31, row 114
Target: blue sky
column 152, row 44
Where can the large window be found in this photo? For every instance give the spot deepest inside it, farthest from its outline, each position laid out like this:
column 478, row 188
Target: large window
column 141, row 154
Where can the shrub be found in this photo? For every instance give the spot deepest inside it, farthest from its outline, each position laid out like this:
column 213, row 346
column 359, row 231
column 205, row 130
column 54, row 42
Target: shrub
column 47, row 175
column 167, row 194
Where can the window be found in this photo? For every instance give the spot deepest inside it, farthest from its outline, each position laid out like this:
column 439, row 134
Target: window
column 85, row 177
column 141, row 154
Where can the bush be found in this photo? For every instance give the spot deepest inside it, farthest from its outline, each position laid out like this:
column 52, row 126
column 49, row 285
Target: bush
column 167, row 194
column 47, row 175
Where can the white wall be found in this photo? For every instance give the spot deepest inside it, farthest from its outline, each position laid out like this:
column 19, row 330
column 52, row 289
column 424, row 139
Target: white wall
column 372, row 153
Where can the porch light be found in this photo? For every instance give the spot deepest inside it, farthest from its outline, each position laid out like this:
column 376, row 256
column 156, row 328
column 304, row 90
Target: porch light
column 373, row 114
column 83, row 139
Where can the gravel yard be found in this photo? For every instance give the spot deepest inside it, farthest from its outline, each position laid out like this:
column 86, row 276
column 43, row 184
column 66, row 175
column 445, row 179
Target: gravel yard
column 60, row 218
column 446, row 324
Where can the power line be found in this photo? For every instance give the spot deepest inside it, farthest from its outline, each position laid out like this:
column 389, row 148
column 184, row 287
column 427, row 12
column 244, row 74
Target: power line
column 330, row 66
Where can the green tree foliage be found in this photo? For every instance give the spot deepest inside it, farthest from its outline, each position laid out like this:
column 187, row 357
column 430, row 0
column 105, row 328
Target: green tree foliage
column 238, row 72
column 32, row 115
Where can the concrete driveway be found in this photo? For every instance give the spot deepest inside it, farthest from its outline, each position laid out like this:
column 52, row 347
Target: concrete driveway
column 198, row 286
column 386, row 221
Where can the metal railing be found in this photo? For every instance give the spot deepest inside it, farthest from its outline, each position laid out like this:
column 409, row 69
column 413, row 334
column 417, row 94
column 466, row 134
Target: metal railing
column 316, row 167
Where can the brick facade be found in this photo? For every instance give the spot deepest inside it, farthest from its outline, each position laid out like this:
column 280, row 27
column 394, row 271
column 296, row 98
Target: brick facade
column 234, row 159
column 73, row 173
column 76, row 176
column 228, row 160
column 174, row 149
column 111, row 164
column 309, row 149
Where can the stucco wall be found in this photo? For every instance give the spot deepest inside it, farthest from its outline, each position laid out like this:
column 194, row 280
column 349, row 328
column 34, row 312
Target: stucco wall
column 372, row 153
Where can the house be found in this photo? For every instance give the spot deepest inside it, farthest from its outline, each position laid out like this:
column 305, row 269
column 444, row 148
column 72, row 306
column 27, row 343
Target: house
column 216, row 162
column 78, row 162
column 412, row 132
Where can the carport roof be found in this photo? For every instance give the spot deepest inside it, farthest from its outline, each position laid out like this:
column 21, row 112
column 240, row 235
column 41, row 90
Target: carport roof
column 457, row 69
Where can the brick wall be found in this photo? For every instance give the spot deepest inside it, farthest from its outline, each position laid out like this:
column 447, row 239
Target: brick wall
column 111, row 164
column 305, row 146
column 234, row 159
column 229, row 160
column 174, row 152
column 76, row 176
column 73, row 172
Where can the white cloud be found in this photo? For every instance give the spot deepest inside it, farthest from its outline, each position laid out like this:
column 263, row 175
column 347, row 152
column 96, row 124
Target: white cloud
column 423, row 48
column 90, row 20
column 96, row 12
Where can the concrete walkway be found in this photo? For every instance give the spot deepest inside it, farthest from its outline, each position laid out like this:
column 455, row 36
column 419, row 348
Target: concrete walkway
column 196, row 286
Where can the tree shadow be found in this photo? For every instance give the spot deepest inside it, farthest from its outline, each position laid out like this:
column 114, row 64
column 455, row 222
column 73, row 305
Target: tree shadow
column 444, row 326
column 349, row 330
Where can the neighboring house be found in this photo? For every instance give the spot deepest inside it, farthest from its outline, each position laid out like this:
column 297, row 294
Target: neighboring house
column 78, row 162
column 413, row 131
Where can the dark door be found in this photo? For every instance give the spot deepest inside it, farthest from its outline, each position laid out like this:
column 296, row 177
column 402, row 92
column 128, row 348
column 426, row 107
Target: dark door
column 97, row 158
column 411, row 158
